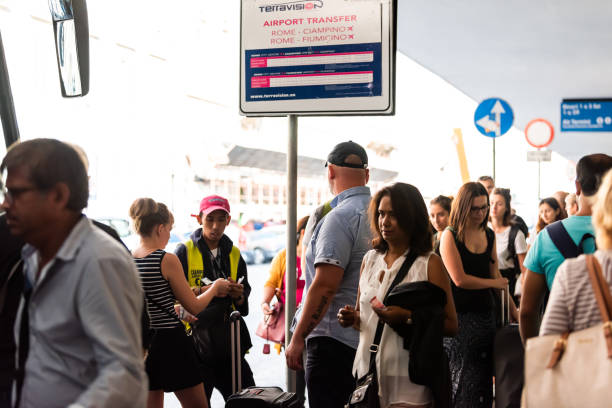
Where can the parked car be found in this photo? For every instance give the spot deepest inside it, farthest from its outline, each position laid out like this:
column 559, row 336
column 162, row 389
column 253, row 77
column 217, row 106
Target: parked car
column 122, row 226
column 265, row 243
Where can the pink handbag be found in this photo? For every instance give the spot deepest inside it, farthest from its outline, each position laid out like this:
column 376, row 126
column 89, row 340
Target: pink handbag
column 272, row 328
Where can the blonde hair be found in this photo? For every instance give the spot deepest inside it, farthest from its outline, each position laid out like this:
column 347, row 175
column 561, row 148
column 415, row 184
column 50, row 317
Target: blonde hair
column 602, row 213
column 148, row 214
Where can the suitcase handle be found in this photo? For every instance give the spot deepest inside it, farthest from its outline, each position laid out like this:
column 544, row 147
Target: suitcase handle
column 235, row 351
column 505, row 306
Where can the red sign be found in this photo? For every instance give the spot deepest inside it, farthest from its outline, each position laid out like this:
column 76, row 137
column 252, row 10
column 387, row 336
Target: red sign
column 539, row 133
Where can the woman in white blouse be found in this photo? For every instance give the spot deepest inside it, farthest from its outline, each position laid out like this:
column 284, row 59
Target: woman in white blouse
column 400, row 224
column 572, row 305
column 510, row 264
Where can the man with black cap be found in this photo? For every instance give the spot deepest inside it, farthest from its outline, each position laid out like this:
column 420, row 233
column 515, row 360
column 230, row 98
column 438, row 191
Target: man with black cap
column 333, row 260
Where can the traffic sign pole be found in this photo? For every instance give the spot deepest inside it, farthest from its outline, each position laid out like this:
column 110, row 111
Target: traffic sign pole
column 539, row 174
column 494, row 159
column 290, row 278
column 493, row 117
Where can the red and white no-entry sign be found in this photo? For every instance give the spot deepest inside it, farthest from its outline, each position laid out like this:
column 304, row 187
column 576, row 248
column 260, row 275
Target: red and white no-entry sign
column 539, row 133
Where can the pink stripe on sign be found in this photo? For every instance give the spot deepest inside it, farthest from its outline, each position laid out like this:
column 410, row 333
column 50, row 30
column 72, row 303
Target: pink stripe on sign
column 259, row 62
column 260, row 82
column 320, row 55
column 321, row 74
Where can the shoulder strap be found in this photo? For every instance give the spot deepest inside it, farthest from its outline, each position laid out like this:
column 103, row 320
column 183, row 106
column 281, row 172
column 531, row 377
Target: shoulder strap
column 562, row 240
column 586, row 236
column 514, row 229
column 401, row 274
column 490, row 241
column 603, row 297
column 4, row 287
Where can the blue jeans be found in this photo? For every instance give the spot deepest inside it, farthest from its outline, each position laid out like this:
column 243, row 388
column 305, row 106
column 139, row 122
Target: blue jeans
column 329, row 377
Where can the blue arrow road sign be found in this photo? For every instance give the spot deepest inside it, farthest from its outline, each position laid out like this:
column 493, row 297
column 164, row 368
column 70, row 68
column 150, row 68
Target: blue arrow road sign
column 493, row 117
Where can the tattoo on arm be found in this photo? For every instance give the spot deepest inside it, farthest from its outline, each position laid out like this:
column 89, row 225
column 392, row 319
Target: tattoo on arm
column 316, row 316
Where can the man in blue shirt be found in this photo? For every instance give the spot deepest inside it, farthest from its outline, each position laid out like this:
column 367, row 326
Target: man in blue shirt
column 544, row 257
column 333, row 261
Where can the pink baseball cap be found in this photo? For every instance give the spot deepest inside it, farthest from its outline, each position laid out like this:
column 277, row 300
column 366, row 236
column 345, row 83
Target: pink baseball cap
column 212, row 203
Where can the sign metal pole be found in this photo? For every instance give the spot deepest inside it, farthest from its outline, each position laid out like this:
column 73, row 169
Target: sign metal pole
column 539, row 175
column 494, row 178
column 291, row 245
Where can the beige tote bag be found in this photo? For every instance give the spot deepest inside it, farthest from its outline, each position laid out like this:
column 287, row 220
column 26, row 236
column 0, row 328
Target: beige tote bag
column 573, row 369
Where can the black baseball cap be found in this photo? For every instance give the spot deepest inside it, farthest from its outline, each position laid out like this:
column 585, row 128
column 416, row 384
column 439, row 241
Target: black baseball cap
column 341, row 151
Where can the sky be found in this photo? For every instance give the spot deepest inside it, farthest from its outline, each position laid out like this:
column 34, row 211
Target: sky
column 164, row 84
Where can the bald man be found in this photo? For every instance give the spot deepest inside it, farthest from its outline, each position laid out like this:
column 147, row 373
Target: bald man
column 333, row 259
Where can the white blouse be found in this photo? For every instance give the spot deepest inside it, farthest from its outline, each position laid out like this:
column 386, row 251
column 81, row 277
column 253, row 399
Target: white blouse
column 392, row 359
column 501, row 243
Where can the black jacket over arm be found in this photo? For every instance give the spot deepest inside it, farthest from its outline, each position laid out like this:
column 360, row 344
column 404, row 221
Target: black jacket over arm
column 428, row 362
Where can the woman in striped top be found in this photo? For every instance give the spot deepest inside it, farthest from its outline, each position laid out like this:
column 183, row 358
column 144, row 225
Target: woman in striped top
column 572, row 305
column 171, row 363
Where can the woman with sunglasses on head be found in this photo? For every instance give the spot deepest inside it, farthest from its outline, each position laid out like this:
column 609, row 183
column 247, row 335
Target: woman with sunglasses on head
column 401, row 230
column 171, row 363
column 468, row 250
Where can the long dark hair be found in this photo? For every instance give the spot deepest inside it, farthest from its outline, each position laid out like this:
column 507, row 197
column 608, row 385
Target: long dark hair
column 443, row 201
column 411, row 213
column 554, row 204
column 505, row 194
column 460, row 210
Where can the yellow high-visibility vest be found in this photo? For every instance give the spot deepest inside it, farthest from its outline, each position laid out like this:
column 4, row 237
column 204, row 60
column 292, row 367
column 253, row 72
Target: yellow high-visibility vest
column 195, row 264
column 195, row 267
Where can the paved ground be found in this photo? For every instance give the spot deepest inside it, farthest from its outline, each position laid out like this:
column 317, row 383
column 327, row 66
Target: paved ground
column 268, row 369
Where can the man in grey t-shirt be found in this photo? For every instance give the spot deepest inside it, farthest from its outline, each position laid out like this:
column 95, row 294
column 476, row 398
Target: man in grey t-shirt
column 333, row 260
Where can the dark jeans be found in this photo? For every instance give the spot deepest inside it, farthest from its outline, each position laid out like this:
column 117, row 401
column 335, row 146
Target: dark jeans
column 329, row 376
column 300, row 388
column 219, row 376
column 5, row 398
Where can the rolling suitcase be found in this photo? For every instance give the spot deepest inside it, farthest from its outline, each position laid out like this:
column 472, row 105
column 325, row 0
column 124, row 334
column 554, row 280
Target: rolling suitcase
column 263, row 397
column 252, row 397
column 508, row 355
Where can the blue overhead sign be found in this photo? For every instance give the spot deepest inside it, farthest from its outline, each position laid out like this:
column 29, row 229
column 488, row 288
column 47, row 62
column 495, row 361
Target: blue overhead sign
column 493, row 117
column 586, row 115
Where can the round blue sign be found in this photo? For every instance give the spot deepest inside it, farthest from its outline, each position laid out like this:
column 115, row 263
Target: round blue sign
column 493, row 117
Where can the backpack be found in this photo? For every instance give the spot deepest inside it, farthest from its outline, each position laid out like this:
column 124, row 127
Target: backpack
column 520, row 223
column 564, row 242
column 514, row 229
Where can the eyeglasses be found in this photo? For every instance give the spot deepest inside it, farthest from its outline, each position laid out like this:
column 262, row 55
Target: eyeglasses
column 10, row 194
column 475, row 210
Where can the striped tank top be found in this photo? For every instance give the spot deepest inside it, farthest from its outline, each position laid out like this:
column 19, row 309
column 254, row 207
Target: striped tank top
column 160, row 299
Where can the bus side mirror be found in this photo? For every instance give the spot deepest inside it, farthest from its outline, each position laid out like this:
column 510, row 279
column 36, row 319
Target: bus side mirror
column 71, row 29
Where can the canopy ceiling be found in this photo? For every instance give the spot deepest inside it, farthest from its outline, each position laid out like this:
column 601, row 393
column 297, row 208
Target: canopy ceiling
column 533, row 54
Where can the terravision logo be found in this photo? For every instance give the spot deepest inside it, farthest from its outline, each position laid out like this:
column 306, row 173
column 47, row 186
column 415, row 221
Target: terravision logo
column 299, row 5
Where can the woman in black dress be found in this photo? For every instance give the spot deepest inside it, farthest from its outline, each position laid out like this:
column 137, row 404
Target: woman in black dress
column 468, row 251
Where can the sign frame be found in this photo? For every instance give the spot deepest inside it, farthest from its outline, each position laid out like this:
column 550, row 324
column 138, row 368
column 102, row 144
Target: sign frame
column 539, row 155
column 276, row 108
column 547, row 123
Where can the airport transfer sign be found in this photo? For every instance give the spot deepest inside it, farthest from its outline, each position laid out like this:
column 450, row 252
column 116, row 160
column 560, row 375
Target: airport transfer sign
column 317, row 57
column 493, row 117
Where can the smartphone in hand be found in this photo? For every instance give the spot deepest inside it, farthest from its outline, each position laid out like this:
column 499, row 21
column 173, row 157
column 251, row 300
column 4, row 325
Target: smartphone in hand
column 376, row 304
